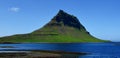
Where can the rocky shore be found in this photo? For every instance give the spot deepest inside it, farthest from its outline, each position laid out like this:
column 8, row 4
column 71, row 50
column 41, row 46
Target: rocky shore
column 40, row 54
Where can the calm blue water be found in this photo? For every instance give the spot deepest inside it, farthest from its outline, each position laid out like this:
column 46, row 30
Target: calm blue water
column 96, row 50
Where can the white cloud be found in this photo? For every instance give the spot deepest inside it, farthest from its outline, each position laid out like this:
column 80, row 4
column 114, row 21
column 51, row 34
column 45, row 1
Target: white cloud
column 14, row 9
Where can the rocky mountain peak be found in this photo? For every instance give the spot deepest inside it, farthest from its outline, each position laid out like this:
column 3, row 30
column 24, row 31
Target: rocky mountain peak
column 64, row 19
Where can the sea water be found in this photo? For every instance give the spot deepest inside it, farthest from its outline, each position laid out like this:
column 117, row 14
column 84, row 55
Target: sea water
column 94, row 50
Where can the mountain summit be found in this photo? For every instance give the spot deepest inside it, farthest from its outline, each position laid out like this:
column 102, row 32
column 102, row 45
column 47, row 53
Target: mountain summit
column 62, row 18
column 63, row 23
column 62, row 28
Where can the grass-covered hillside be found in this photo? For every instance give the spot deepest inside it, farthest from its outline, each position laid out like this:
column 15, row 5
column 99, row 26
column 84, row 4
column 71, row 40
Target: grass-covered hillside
column 62, row 28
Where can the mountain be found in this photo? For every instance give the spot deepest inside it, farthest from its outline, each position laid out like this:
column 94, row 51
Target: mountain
column 62, row 28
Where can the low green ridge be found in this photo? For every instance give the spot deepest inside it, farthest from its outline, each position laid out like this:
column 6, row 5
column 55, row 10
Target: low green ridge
column 62, row 28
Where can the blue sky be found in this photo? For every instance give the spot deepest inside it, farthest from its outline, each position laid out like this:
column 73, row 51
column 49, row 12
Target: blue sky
column 100, row 17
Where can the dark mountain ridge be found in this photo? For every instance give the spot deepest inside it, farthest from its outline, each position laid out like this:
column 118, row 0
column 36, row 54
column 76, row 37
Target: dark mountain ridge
column 62, row 18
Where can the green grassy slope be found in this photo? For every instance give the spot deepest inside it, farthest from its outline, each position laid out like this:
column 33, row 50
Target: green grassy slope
column 47, row 35
column 62, row 28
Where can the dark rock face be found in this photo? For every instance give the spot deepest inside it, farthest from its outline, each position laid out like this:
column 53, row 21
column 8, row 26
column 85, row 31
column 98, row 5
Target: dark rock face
column 62, row 18
column 60, row 24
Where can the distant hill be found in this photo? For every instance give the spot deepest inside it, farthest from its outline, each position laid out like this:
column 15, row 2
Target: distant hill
column 62, row 28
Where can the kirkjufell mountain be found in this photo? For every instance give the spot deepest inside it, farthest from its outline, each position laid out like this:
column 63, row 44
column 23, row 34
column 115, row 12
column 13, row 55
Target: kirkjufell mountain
column 62, row 28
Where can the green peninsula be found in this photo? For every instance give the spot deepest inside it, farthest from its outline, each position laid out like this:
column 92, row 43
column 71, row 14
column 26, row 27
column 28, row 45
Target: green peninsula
column 62, row 28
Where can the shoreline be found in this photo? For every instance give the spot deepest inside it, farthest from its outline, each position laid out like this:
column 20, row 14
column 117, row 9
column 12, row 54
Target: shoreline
column 49, row 42
column 41, row 54
column 48, row 51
